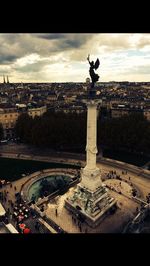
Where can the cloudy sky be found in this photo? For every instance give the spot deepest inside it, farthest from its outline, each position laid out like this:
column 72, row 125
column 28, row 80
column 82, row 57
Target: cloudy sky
column 62, row 57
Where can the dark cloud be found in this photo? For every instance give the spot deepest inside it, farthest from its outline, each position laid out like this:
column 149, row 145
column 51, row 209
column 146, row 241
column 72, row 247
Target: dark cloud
column 73, row 43
column 12, row 47
column 66, row 41
column 15, row 46
column 75, row 40
column 50, row 36
column 7, row 59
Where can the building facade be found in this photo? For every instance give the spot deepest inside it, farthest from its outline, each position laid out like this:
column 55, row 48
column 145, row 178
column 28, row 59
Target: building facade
column 8, row 118
column 38, row 111
column 123, row 110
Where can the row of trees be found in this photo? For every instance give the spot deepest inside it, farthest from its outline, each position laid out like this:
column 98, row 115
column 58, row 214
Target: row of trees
column 68, row 131
column 54, row 130
column 130, row 133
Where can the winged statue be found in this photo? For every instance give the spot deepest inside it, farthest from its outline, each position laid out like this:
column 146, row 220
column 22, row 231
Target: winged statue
column 93, row 75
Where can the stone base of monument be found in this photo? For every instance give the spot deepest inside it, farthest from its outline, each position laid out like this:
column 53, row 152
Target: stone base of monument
column 90, row 207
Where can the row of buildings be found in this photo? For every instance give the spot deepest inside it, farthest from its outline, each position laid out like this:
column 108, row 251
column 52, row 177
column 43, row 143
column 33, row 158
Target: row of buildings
column 118, row 99
column 126, row 109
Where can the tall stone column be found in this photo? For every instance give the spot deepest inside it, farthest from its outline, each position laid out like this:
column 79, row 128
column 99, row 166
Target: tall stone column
column 91, row 145
column 91, row 174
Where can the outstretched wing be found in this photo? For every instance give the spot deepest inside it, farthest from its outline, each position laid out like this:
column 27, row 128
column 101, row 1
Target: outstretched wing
column 97, row 63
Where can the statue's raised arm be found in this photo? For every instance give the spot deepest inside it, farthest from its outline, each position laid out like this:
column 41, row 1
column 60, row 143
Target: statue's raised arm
column 88, row 58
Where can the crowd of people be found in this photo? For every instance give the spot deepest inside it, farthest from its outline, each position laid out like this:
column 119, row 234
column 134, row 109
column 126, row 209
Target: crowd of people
column 113, row 175
column 4, row 195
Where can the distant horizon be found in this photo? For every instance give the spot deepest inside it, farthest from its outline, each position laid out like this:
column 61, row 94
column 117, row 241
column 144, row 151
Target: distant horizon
column 84, row 82
column 30, row 57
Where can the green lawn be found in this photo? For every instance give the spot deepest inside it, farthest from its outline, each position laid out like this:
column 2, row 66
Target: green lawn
column 12, row 169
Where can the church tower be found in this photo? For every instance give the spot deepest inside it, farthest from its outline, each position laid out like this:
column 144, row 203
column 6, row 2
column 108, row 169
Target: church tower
column 4, row 79
column 7, row 80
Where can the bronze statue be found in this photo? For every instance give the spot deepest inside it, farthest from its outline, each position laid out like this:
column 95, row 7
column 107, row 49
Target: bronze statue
column 93, row 75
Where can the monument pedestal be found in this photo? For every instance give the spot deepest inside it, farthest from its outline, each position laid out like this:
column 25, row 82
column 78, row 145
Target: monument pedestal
column 91, row 206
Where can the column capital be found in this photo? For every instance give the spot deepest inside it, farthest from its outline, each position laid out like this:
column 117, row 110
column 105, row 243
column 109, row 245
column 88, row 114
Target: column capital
column 91, row 102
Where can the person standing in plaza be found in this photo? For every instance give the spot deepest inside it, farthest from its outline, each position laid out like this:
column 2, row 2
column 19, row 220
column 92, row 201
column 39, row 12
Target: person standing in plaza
column 56, row 212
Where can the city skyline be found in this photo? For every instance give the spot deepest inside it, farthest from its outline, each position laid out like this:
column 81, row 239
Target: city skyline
column 62, row 57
